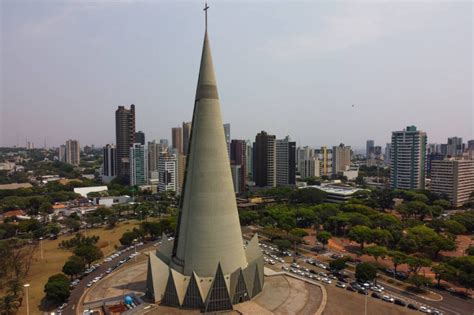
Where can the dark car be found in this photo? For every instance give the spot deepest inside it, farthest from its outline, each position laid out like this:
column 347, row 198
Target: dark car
column 362, row 291
column 400, row 302
column 349, row 288
column 376, row 295
column 341, row 279
column 412, row 306
column 313, row 271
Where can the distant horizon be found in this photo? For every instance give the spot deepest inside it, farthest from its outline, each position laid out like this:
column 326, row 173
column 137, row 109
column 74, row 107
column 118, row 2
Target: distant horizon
column 322, row 73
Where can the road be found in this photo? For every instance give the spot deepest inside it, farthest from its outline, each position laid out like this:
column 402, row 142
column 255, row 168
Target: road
column 79, row 290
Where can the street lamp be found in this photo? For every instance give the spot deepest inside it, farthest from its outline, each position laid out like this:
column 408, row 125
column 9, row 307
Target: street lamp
column 26, row 286
column 135, row 243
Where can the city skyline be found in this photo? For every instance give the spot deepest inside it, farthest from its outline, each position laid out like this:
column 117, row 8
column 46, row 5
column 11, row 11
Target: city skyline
column 79, row 90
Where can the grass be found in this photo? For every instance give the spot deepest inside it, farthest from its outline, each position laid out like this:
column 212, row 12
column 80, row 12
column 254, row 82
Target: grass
column 54, row 259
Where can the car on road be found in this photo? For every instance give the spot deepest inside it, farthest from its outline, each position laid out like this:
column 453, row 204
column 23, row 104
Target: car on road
column 400, row 302
column 285, row 268
column 341, row 285
column 89, row 284
column 388, row 298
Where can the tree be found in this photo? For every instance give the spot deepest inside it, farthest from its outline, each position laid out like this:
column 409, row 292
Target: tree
column 398, row 258
column 89, row 253
column 308, row 196
column 72, row 224
column 416, row 263
column 445, row 272
column 74, row 266
column 248, row 217
column 381, row 237
column 9, row 304
column 454, row 227
column 365, row 272
column 298, row 232
column 323, row 237
column 282, row 244
column 338, row 264
column 376, row 251
column 128, row 237
column 360, row 234
column 445, row 204
column 57, row 288
column 419, row 280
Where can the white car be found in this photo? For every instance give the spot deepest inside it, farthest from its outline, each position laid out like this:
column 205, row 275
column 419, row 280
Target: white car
column 376, row 289
column 424, row 309
column 326, row 280
column 388, row 298
column 89, row 284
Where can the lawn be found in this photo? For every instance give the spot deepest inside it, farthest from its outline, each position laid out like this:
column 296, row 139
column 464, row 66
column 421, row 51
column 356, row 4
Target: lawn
column 54, row 258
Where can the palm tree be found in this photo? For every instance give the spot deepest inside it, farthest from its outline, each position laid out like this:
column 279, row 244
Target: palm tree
column 9, row 304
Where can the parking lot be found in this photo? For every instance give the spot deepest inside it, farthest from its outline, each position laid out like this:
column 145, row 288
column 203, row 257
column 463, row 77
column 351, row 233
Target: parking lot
column 316, row 270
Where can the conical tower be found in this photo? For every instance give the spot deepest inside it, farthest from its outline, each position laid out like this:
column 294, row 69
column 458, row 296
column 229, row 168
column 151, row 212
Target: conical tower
column 207, row 255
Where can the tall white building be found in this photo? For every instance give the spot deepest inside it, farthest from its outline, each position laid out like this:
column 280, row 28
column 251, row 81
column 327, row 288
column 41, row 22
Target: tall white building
column 168, row 173
column 341, row 158
column 285, row 162
column 227, row 137
column 73, row 152
column 154, row 151
column 454, row 179
column 62, row 153
column 138, row 165
column 324, row 156
column 408, row 159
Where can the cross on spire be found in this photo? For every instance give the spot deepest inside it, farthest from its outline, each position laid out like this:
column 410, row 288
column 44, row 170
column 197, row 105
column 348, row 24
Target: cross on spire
column 206, row 7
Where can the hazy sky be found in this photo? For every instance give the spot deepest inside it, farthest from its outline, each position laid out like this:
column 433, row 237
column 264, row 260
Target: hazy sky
column 285, row 67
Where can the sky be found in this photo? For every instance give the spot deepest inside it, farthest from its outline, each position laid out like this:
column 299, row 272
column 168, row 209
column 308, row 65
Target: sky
column 322, row 72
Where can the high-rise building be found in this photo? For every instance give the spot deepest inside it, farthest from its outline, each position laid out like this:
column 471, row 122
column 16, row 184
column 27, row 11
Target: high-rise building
column 470, row 145
column 181, row 172
column 186, row 136
column 168, row 172
column 154, row 150
column 454, row 179
column 238, row 156
column 227, row 137
column 249, row 159
column 164, row 144
column 302, row 154
column 62, row 153
column 408, row 159
column 265, row 160
column 341, row 158
column 109, row 163
column 73, row 152
column 177, row 139
column 309, row 167
column 324, row 156
column 206, row 266
column 138, row 165
column 125, row 138
column 454, row 146
column 369, row 149
column 430, row 157
column 140, row 137
column 388, row 148
column 285, row 162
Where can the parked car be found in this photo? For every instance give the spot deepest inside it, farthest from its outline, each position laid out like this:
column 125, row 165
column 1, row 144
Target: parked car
column 412, row 306
column 400, row 302
column 376, row 295
column 388, row 298
column 341, row 285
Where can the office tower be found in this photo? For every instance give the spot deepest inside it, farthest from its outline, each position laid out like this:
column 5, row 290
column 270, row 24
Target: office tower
column 369, row 149
column 206, row 266
column 302, row 154
column 154, row 150
column 109, row 166
column 388, row 148
column 341, row 158
column 430, row 157
column 168, row 172
column 125, row 138
column 470, row 145
column 325, row 158
column 249, row 159
column 454, row 179
column 138, row 165
column 140, row 137
column 265, row 160
column 177, row 139
column 408, row 159
column 227, row 137
column 62, row 153
column 238, row 157
column 73, row 152
column 186, row 136
column 454, row 146
column 285, row 162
